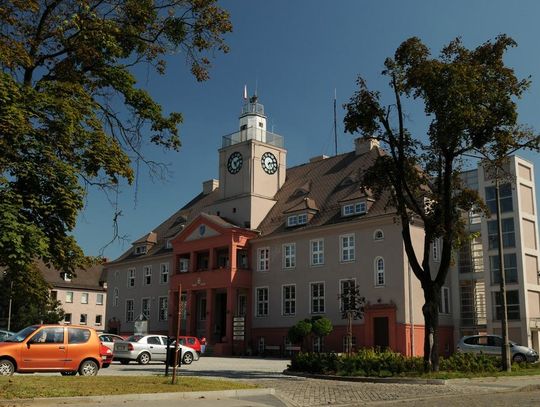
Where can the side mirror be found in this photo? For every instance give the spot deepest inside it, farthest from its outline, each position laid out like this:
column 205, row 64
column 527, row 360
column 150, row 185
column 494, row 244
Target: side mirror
column 28, row 345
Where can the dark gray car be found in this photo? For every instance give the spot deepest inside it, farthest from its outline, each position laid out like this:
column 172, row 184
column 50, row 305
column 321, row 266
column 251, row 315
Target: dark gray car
column 491, row 345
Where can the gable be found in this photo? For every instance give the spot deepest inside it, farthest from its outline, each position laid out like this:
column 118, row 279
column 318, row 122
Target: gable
column 202, row 231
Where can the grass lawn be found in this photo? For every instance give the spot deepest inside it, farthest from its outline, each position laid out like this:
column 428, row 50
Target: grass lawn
column 19, row 387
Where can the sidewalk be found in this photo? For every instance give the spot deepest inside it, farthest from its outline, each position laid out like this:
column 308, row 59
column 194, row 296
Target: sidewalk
column 508, row 382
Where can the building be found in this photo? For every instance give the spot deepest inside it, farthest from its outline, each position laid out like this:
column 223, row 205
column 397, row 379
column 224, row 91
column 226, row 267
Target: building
column 83, row 297
column 266, row 246
column 477, row 305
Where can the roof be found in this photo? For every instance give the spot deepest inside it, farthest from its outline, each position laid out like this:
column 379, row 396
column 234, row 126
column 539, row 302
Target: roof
column 87, row 279
column 332, row 181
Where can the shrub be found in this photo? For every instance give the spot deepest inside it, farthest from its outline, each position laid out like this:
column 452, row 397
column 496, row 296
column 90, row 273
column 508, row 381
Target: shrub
column 321, row 326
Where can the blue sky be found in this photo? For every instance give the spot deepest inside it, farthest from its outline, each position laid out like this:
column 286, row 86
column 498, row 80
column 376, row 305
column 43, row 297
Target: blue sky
column 297, row 53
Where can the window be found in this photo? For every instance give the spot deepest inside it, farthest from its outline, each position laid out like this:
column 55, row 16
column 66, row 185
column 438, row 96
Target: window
column 261, row 295
column 379, row 272
column 140, row 250
column 317, row 252
column 49, row 335
column 184, row 265
column 54, row 295
column 66, row 277
column 263, row 258
column 347, row 248
column 242, row 305
column 147, row 275
column 512, row 305
column 318, row 344
column 444, row 302
column 163, row 308
column 294, row 220
column 289, row 255
column 510, row 269
column 77, row 335
column 317, row 298
column 116, row 297
column 84, row 298
column 508, row 236
column 129, row 310
column 436, row 249
column 99, row 299
column 289, row 299
column 202, row 309
column 261, row 345
column 131, row 278
column 69, row 296
column 378, row 235
column 345, row 287
column 98, row 319
column 145, row 307
column 352, row 346
column 356, row 208
column 164, row 273
column 505, row 199
column 83, row 319
column 169, row 244
column 67, row 318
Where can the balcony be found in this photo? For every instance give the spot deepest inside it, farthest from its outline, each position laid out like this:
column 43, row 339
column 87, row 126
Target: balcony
column 252, row 133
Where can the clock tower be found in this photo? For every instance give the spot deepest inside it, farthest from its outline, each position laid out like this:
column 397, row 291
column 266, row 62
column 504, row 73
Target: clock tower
column 252, row 167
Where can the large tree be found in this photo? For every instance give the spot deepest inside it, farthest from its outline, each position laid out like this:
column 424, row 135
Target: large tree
column 71, row 114
column 469, row 98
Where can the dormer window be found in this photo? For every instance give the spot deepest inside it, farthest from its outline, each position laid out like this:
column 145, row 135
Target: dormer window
column 169, row 243
column 66, row 276
column 298, row 219
column 140, row 250
column 356, row 208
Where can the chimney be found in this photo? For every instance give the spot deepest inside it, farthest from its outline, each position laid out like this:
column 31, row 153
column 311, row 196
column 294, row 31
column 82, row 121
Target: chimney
column 209, row 186
column 365, row 144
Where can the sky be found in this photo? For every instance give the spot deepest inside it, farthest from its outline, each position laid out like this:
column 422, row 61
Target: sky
column 296, row 54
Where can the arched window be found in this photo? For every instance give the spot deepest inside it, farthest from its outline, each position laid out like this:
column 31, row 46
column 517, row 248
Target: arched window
column 378, row 235
column 116, row 295
column 379, row 272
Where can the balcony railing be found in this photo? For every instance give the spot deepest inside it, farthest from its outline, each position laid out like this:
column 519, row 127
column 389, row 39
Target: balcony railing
column 253, row 133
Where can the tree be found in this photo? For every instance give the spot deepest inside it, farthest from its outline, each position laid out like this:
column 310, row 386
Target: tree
column 31, row 300
column 321, row 326
column 71, row 114
column 298, row 332
column 469, row 97
column 352, row 307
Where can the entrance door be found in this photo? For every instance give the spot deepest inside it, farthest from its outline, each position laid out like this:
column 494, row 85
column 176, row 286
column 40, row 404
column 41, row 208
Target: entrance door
column 380, row 332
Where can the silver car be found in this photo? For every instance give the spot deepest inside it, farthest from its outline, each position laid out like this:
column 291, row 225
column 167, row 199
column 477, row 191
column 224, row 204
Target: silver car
column 5, row 334
column 148, row 348
column 109, row 339
column 491, row 345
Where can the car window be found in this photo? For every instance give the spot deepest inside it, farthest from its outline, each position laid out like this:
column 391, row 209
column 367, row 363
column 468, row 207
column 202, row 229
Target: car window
column 22, row 334
column 191, row 341
column 78, row 335
column 494, row 341
column 182, row 341
column 483, row 340
column 153, row 340
column 134, row 338
column 471, row 341
column 105, row 338
column 48, row 335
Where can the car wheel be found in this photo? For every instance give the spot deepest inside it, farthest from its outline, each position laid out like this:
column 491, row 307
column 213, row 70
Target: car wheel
column 143, row 358
column 188, row 358
column 518, row 358
column 7, row 368
column 88, row 368
column 68, row 373
column 124, row 361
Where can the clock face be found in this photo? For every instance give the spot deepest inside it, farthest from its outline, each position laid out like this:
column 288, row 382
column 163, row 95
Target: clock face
column 269, row 163
column 235, row 162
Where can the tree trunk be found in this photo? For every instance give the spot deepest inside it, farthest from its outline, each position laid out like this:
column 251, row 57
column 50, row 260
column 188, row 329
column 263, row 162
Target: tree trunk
column 431, row 333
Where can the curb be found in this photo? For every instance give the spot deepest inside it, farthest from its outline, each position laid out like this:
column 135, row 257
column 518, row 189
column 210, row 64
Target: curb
column 193, row 395
column 398, row 380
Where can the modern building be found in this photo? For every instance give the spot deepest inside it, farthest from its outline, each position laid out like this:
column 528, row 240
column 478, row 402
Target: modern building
column 83, row 297
column 477, row 305
column 266, row 246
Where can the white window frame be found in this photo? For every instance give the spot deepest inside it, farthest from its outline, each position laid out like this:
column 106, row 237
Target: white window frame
column 100, row 320
column 288, row 300
column 317, row 254
column 131, row 273
column 149, row 309
column 318, row 344
column 164, row 271
column 165, row 316
column 147, row 275
column 319, row 298
column 183, row 264
column 379, row 272
column 349, row 249
column 302, row 218
column 436, row 250
column 360, row 207
column 68, row 320
column 140, row 250
column 69, row 300
column 378, row 235
column 289, row 255
column 264, row 302
column 100, row 298
column 130, row 317
column 347, row 210
column 445, row 306
column 85, row 297
column 116, row 297
column 263, row 259
column 292, row 220
column 85, row 319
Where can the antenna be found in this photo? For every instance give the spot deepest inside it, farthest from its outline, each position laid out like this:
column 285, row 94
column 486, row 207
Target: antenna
column 335, row 123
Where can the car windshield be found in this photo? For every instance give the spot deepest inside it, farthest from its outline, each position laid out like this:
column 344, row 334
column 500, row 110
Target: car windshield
column 134, row 338
column 23, row 334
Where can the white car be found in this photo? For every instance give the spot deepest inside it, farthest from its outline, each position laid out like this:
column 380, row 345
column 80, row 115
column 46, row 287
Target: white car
column 148, row 348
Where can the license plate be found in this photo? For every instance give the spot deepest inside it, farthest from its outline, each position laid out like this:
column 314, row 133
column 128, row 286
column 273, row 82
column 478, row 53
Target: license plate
column 121, row 347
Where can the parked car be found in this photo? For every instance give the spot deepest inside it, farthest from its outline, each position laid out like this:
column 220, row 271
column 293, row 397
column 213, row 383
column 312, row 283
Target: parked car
column 491, row 345
column 143, row 349
column 191, row 342
column 109, row 339
column 5, row 334
column 106, row 356
column 52, row 348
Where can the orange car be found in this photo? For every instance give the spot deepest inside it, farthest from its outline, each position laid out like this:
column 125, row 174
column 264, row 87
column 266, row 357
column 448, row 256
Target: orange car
column 52, row 348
